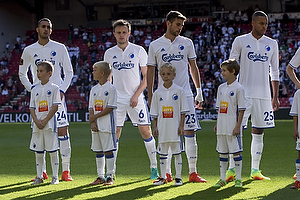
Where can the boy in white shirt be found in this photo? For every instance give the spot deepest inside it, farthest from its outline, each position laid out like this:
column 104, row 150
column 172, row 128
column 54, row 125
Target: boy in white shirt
column 230, row 101
column 102, row 116
column 44, row 101
column 168, row 108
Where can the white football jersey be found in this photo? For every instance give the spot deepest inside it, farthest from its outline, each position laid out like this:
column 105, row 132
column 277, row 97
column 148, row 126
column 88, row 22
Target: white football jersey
column 102, row 96
column 295, row 61
column 258, row 60
column 43, row 97
column 126, row 69
column 178, row 52
column 230, row 99
column 54, row 52
column 167, row 105
column 295, row 109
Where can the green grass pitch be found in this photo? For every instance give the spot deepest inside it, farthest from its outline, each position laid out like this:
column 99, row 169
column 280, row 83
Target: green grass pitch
column 17, row 167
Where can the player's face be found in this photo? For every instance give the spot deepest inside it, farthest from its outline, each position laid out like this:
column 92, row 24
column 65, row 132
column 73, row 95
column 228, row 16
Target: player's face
column 175, row 27
column 167, row 75
column 42, row 74
column 122, row 34
column 259, row 26
column 44, row 30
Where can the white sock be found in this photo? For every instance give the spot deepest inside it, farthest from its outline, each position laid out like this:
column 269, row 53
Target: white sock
column 65, row 152
column 231, row 162
column 298, row 169
column 169, row 162
column 256, row 150
column 191, row 152
column 100, row 163
column 116, row 154
column 178, row 165
column 39, row 164
column 110, row 165
column 151, row 150
column 238, row 166
column 44, row 163
column 54, row 163
column 162, row 160
column 223, row 165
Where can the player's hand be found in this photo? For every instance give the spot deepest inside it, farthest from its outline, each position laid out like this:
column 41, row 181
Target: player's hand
column 155, row 132
column 295, row 135
column 215, row 128
column 181, row 130
column 199, row 98
column 236, row 131
column 275, row 104
column 39, row 124
column 133, row 101
column 94, row 127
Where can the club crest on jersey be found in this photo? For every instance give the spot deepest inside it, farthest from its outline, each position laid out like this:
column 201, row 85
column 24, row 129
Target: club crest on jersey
column 181, row 47
column 172, row 57
column 231, row 93
column 48, row 92
column 53, row 53
column 123, row 65
column 106, row 93
column 131, row 55
column 257, row 57
column 175, row 97
column 267, row 47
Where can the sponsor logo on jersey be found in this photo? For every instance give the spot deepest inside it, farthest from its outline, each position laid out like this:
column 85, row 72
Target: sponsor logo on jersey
column 162, row 49
column 115, row 57
column 35, row 55
column 172, row 57
column 248, row 46
column 257, row 57
column 223, row 107
column 43, row 106
column 160, row 99
column 123, row 65
column 37, row 61
column 167, row 111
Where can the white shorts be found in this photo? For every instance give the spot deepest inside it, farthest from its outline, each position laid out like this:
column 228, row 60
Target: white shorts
column 298, row 144
column 176, row 148
column 138, row 115
column 103, row 142
column 44, row 140
column 62, row 115
column 229, row 144
column 261, row 112
column 191, row 121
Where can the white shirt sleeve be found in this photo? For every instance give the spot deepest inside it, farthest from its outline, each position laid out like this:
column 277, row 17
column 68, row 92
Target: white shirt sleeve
column 23, row 69
column 68, row 71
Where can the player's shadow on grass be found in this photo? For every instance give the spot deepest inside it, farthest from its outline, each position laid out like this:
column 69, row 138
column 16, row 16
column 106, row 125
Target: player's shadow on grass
column 72, row 192
column 17, row 187
column 215, row 193
column 282, row 194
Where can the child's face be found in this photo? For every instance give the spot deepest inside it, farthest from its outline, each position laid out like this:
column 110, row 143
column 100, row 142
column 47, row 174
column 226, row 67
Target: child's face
column 226, row 73
column 167, row 75
column 97, row 73
column 42, row 73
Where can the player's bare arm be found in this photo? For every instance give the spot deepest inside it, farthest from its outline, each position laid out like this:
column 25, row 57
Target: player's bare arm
column 290, row 71
column 150, row 82
column 237, row 128
column 197, row 81
column 295, row 131
column 35, row 119
column 155, row 131
column 51, row 113
column 181, row 126
column 141, row 88
column 275, row 100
